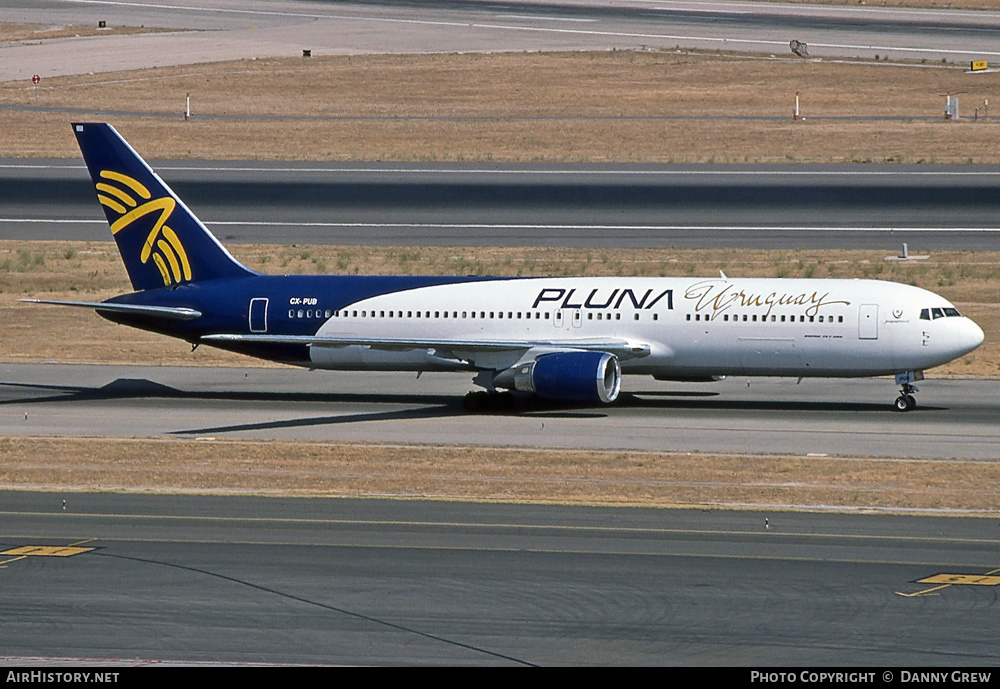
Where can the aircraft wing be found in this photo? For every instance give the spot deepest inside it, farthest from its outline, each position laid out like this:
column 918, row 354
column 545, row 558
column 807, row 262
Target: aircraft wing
column 173, row 312
column 623, row 349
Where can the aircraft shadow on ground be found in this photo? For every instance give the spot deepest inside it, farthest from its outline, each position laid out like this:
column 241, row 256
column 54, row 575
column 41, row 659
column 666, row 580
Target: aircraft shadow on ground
column 430, row 406
column 434, row 412
column 686, row 400
column 435, row 406
column 140, row 388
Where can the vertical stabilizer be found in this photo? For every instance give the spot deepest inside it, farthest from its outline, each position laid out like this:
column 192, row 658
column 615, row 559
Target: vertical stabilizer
column 160, row 240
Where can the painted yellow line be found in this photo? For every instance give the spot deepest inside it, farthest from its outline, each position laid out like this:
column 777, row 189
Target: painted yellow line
column 964, row 579
column 922, row 593
column 46, row 551
column 945, row 580
column 26, row 551
column 773, row 533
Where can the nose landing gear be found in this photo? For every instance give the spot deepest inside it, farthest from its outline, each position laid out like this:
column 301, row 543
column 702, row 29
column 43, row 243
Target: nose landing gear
column 906, row 401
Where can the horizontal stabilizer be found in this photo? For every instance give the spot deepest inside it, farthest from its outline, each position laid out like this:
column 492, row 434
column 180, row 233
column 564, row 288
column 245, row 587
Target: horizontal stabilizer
column 173, row 312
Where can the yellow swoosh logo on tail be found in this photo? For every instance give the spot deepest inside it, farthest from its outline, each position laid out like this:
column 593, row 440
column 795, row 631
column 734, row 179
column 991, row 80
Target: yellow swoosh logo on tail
column 162, row 243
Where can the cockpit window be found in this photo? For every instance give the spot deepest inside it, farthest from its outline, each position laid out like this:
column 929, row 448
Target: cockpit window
column 934, row 314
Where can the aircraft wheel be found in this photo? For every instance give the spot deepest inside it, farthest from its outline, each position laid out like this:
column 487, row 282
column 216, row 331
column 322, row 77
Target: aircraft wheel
column 489, row 402
column 476, row 401
column 505, row 401
column 905, row 403
column 912, row 400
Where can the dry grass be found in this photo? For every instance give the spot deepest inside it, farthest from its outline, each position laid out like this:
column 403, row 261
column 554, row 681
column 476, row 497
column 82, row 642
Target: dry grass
column 654, row 106
column 36, row 32
column 498, row 474
column 93, row 271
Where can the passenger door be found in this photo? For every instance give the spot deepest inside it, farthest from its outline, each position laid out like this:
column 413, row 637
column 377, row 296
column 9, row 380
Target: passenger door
column 868, row 322
column 258, row 315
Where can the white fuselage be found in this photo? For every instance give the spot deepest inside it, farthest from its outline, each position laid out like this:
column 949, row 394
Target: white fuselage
column 692, row 327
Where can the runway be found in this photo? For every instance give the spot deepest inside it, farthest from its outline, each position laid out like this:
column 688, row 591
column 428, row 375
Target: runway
column 954, row 418
column 188, row 579
column 599, row 206
column 214, row 30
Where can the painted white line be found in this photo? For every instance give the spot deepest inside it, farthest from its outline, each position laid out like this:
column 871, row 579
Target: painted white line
column 534, row 171
column 679, row 228
column 35, row 166
column 56, row 221
column 734, row 41
column 778, row 9
column 691, row 6
column 699, row 10
column 900, row 49
column 514, row 226
column 544, row 18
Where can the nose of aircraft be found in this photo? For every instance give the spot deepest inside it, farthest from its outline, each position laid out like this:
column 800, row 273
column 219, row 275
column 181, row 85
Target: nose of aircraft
column 954, row 338
column 970, row 336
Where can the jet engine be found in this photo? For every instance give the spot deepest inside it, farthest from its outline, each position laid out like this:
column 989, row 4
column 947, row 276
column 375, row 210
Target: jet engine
column 567, row 376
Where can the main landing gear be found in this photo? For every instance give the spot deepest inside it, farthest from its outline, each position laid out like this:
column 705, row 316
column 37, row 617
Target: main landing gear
column 490, row 399
column 481, row 401
column 906, row 401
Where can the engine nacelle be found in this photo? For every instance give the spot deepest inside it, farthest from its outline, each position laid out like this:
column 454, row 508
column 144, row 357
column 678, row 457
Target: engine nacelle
column 567, row 376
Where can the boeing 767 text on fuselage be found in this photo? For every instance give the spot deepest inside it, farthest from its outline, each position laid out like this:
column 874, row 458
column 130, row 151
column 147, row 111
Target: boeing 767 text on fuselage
column 563, row 339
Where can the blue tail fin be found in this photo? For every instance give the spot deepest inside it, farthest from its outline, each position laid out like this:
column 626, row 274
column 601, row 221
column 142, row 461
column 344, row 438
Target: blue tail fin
column 161, row 241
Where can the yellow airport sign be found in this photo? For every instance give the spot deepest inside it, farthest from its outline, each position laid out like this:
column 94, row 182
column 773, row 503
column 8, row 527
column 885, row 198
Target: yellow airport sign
column 978, row 65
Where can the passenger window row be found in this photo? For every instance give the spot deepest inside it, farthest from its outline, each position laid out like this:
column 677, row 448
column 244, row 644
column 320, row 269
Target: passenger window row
column 773, row 318
column 481, row 315
column 925, row 315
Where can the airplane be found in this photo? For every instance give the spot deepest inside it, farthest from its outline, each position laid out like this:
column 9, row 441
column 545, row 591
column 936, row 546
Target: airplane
column 566, row 340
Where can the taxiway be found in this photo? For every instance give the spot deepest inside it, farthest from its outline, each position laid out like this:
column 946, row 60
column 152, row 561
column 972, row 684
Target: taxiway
column 196, row 579
column 599, row 206
column 215, row 30
column 954, row 418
